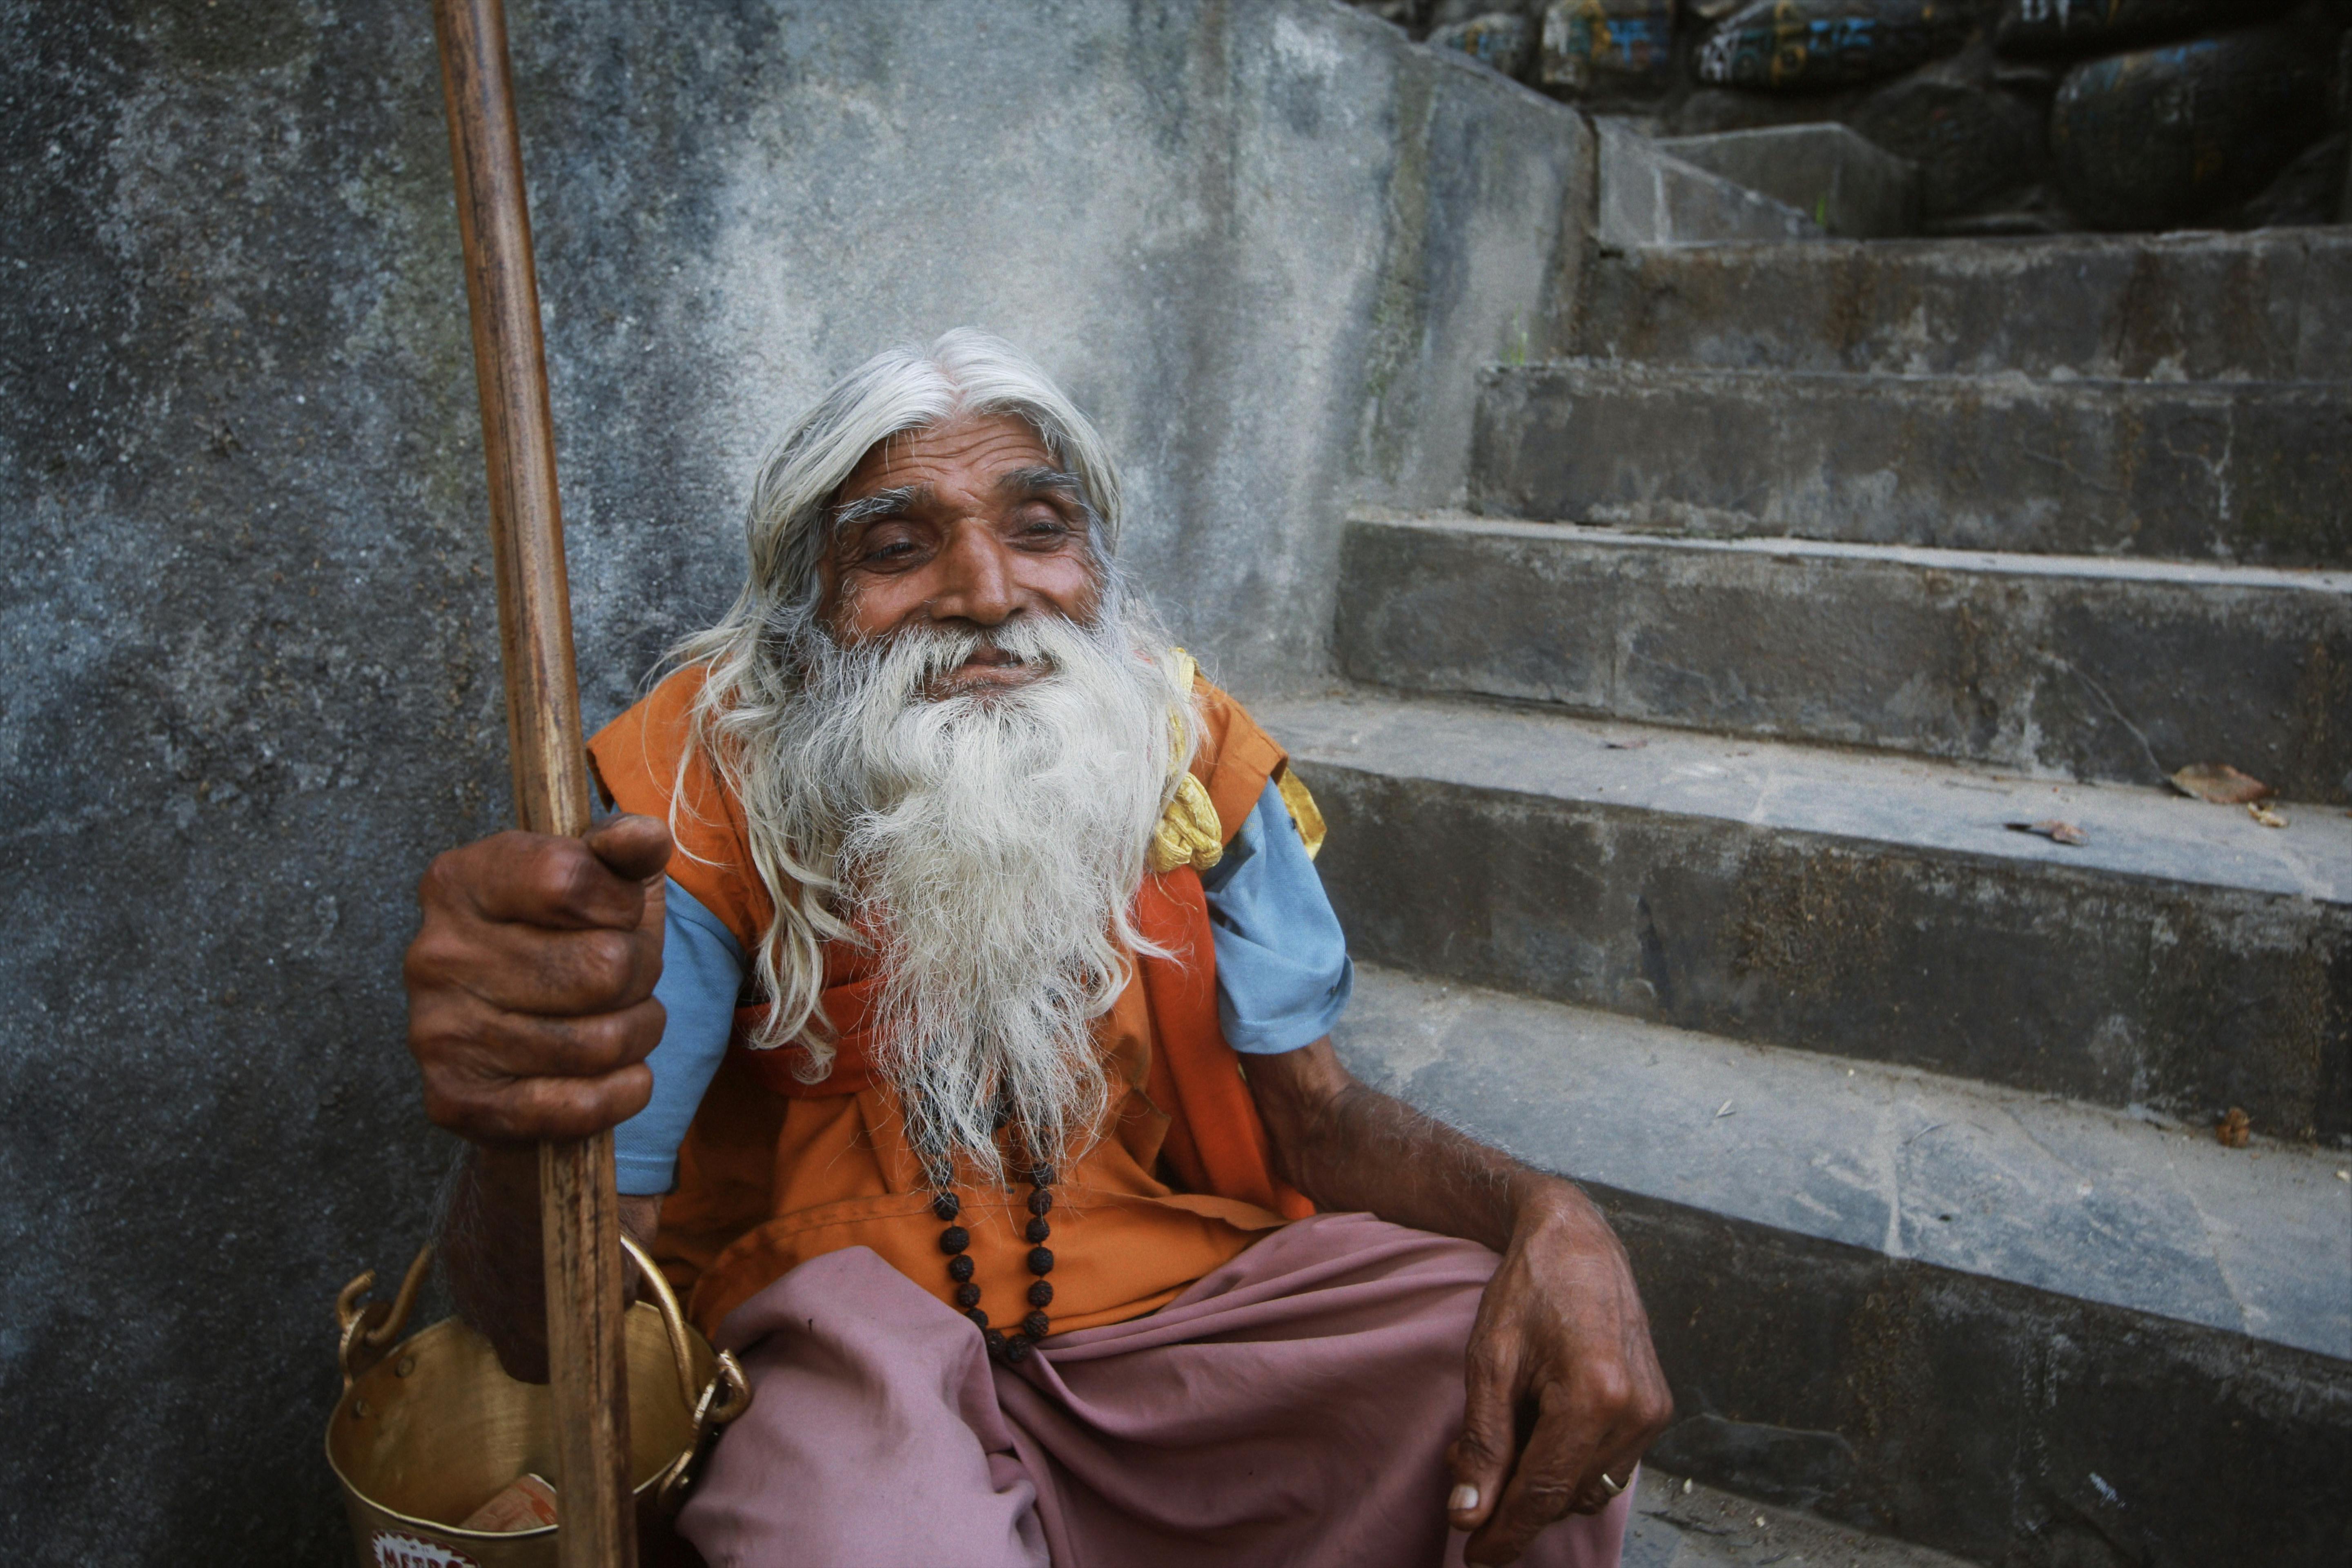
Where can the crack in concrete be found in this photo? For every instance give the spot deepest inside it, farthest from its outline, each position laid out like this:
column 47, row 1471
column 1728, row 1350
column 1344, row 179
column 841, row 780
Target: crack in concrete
column 2248, row 1314
column 2034, row 1138
column 2067, row 468
column 2146, row 750
column 1891, row 1193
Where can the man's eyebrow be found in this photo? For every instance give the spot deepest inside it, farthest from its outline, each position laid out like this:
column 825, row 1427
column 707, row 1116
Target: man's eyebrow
column 897, row 501
column 1034, row 481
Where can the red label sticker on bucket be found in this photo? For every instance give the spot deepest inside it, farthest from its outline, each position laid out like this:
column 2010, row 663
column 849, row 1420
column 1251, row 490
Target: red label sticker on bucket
column 407, row 1552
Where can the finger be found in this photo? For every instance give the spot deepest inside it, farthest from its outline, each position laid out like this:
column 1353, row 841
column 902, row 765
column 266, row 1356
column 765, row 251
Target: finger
column 1611, row 1473
column 538, row 1109
column 1647, row 1409
column 548, row 1108
column 534, row 969
column 460, row 1035
column 537, row 879
column 1544, row 1484
column 497, row 1078
column 637, row 848
column 1628, row 1400
column 1480, row 1458
column 1637, row 1425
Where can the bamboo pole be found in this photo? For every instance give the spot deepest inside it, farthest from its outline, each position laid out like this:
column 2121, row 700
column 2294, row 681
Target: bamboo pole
column 579, row 1213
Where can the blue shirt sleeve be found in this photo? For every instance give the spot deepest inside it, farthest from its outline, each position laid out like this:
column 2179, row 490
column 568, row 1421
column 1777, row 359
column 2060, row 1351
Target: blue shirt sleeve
column 1283, row 970
column 702, row 971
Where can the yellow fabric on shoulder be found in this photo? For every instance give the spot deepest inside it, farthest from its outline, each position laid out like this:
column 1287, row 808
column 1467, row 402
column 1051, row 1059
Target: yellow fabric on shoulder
column 1304, row 814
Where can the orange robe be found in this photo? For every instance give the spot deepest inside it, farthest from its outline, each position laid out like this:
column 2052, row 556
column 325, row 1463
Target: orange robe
column 774, row 1172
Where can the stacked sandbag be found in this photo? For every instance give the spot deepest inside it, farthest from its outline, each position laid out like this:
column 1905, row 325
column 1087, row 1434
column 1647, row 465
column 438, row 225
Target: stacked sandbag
column 2079, row 26
column 1581, row 49
column 2175, row 132
column 1918, row 77
column 1500, row 40
column 1812, row 46
column 1977, row 139
column 2023, row 116
column 1606, row 47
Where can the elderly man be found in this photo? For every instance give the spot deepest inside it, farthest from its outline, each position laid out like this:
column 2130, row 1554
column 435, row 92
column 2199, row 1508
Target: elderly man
column 913, row 973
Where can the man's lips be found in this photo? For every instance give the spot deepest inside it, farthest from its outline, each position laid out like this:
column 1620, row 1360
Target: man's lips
column 985, row 668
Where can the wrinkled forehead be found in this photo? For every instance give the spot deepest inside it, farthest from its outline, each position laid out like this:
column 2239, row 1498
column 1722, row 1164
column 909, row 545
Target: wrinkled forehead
column 967, row 456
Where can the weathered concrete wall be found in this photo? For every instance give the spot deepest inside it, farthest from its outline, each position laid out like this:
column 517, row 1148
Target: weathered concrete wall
column 252, row 677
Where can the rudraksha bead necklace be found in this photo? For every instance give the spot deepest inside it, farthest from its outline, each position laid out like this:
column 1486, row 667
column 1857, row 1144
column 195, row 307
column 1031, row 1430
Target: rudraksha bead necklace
column 1012, row 1349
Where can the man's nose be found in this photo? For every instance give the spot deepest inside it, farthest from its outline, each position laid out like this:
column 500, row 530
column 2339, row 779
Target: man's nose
column 976, row 578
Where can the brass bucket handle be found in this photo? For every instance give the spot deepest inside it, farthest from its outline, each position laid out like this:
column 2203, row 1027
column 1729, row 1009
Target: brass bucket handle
column 681, row 1355
column 726, row 1396
column 366, row 1332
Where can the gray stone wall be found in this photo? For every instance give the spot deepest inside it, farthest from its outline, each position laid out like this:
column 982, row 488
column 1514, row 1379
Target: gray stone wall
column 252, row 678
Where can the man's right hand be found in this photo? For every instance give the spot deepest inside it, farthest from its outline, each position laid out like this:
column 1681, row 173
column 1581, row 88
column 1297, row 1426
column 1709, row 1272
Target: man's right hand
column 530, row 982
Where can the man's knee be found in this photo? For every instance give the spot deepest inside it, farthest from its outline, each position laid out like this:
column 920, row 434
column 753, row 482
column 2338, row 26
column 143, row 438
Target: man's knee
column 889, row 1525
column 873, row 1437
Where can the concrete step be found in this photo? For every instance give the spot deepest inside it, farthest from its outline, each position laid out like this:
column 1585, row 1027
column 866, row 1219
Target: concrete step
column 2016, row 1330
column 2274, row 305
column 2257, row 472
column 2183, row 959
column 1680, row 1523
column 2097, row 668
column 1843, row 181
column 1646, row 197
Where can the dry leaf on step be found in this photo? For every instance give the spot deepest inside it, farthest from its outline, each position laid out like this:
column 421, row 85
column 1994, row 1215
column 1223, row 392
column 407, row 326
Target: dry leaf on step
column 2264, row 814
column 2052, row 829
column 2221, row 784
column 2232, row 1130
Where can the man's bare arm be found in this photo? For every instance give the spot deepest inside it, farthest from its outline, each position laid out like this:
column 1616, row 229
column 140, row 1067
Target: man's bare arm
column 531, row 1012
column 1561, row 1347
column 490, row 1247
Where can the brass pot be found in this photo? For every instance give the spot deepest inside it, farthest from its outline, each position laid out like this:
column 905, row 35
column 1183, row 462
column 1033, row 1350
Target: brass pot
column 430, row 1429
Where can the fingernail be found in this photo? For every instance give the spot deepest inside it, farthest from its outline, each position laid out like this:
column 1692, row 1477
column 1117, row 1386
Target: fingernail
column 1463, row 1499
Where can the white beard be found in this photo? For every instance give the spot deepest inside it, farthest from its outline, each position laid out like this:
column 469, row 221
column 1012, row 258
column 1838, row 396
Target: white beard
column 991, row 845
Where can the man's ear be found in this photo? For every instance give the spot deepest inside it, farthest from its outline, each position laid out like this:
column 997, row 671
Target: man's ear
column 830, row 594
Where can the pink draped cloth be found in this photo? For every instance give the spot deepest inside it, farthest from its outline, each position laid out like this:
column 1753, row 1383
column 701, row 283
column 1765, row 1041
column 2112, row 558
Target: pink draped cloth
column 1290, row 1410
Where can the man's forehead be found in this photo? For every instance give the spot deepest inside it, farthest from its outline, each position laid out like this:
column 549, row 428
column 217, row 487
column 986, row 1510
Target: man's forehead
column 965, row 454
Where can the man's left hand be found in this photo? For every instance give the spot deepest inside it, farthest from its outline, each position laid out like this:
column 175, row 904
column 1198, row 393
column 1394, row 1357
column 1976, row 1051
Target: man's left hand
column 1560, row 1351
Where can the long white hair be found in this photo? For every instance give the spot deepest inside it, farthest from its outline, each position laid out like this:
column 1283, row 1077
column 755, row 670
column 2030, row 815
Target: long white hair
column 769, row 667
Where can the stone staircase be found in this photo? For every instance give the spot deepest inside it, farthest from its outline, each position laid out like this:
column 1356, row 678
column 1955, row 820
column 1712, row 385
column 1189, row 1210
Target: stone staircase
column 1675, row 804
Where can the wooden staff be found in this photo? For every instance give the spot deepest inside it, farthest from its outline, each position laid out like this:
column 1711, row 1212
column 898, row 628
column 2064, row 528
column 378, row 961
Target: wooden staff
column 579, row 1213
